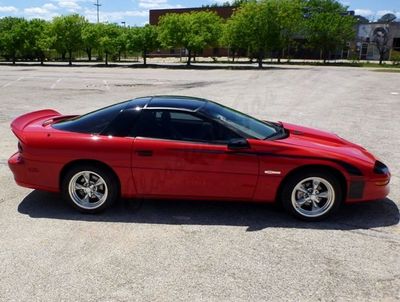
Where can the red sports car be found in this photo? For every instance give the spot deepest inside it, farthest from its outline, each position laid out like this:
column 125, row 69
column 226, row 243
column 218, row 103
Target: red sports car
column 190, row 148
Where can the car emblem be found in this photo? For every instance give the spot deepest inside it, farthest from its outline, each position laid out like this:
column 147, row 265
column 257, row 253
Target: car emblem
column 270, row 172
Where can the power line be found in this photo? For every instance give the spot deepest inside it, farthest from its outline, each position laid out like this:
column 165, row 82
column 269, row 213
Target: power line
column 97, row 4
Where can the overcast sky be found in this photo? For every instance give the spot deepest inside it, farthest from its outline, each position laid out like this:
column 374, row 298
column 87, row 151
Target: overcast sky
column 135, row 12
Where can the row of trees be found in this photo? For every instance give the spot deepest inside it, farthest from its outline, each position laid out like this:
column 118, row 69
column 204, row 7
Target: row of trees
column 256, row 27
column 38, row 39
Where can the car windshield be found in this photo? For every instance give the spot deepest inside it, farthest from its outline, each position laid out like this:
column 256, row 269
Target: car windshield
column 248, row 125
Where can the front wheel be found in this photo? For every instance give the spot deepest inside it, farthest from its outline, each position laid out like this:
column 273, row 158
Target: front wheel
column 89, row 189
column 312, row 196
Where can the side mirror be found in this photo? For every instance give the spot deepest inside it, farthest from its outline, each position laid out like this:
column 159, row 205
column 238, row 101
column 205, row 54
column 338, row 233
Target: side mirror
column 238, row 144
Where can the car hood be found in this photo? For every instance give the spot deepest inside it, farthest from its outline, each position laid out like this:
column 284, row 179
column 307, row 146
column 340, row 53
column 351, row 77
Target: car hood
column 324, row 143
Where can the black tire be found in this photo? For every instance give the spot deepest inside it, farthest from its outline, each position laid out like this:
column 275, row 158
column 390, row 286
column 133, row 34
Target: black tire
column 101, row 183
column 304, row 205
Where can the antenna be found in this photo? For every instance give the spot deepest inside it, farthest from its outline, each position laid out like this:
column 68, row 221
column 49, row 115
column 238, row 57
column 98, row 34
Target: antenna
column 97, row 4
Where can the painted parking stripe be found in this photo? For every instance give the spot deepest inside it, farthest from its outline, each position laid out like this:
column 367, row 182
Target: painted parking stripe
column 12, row 82
column 55, row 84
column 106, row 83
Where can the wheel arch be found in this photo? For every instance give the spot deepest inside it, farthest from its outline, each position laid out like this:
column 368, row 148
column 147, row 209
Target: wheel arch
column 97, row 163
column 323, row 168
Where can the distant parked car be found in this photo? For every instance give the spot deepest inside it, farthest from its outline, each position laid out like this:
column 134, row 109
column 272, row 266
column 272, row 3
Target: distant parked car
column 189, row 148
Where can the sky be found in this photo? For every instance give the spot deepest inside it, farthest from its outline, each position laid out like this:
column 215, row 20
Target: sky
column 136, row 12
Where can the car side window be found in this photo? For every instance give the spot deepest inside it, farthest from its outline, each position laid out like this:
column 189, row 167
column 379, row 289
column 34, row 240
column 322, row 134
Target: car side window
column 184, row 126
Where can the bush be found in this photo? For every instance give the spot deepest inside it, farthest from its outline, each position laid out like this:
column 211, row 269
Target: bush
column 354, row 58
column 395, row 58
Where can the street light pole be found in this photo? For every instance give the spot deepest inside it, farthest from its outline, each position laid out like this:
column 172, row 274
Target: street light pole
column 97, row 4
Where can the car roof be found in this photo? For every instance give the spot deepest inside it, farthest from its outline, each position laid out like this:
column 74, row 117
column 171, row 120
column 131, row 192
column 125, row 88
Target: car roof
column 176, row 102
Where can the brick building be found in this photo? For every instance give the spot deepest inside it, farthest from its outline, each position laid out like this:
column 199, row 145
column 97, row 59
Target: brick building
column 224, row 12
column 362, row 46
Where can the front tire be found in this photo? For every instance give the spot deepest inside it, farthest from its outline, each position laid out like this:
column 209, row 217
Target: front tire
column 312, row 195
column 89, row 188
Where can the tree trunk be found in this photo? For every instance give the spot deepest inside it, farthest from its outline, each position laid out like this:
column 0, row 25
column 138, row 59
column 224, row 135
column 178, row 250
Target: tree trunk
column 381, row 58
column 189, row 57
column 324, row 55
column 106, row 58
column 119, row 56
column 70, row 57
column 233, row 56
column 260, row 59
column 89, row 53
column 279, row 57
column 144, row 57
column 63, row 54
column 13, row 59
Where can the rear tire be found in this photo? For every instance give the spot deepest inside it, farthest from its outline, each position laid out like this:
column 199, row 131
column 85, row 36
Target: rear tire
column 312, row 195
column 89, row 188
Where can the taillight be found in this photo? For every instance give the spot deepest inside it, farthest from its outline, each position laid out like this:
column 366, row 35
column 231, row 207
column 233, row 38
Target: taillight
column 20, row 149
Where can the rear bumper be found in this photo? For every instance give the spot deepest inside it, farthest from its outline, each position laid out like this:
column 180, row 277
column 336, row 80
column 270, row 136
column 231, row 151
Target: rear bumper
column 28, row 175
column 17, row 167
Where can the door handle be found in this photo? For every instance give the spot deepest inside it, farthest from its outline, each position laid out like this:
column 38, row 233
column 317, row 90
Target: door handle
column 144, row 153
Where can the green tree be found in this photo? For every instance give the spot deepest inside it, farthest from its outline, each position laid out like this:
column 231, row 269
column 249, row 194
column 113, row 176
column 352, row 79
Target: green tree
column 90, row 38
column 233, row 37
column 257, row 27
column 12, row 37
column 290, row 20
column 108, row 43
column 67, row 31
column 143, row 39
column 193, row 31
column 328, row 26
column 122, row 41
column 38, row 39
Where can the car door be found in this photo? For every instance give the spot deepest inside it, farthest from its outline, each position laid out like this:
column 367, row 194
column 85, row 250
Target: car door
column 175, row 155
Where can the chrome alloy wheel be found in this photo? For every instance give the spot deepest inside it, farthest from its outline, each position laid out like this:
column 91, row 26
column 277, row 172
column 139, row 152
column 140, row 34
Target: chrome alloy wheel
column 88, row 190
column 313, row 197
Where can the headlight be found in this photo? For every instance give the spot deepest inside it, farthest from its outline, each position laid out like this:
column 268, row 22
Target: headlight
column 380, row 168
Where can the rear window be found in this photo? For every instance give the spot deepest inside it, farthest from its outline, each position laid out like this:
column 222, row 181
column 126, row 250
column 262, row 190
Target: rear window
column 96, row 122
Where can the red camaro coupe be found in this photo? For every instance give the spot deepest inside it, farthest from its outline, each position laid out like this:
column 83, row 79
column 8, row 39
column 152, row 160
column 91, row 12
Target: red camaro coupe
column 190, row 148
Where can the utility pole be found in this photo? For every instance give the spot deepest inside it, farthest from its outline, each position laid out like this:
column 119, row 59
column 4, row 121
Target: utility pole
column 97, row 4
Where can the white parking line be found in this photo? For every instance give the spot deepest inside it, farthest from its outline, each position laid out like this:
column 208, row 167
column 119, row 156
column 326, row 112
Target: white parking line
column 55, row 84
column 106, row 83
column 12, row 82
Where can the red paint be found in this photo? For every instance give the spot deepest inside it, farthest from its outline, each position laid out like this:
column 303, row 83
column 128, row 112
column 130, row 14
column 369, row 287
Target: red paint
column 187, row 170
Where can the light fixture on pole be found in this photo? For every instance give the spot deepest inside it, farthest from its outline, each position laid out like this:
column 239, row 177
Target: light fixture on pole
column 97, row 4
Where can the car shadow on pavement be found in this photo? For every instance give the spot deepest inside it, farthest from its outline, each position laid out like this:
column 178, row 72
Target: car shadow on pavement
column 251, row 215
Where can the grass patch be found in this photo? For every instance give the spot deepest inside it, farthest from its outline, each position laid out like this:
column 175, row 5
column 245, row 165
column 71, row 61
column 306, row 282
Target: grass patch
column 376, row 65
column 388, row 70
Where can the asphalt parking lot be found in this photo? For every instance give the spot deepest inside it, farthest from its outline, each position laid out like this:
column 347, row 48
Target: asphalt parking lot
column 194, row 251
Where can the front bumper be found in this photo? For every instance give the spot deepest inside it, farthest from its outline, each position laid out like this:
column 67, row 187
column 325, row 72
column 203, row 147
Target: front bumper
column 373, row 188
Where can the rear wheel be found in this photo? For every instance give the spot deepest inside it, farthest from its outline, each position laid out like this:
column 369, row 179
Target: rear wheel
column 312, row 195
column 89, row 189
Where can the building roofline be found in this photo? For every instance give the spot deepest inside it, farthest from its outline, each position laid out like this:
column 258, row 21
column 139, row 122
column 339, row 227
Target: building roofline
column 190, row 8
